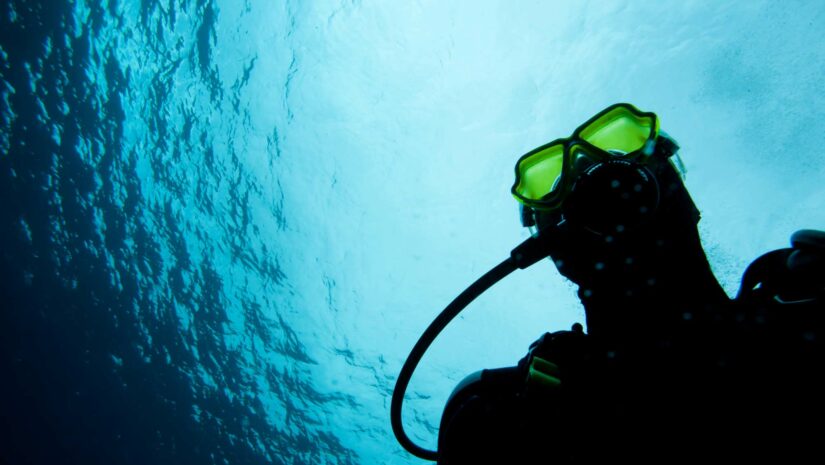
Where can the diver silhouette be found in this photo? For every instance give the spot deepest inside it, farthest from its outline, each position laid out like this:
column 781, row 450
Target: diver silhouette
column 670, row 370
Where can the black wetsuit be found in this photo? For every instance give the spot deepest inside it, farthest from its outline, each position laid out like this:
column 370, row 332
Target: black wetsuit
column 671, row 371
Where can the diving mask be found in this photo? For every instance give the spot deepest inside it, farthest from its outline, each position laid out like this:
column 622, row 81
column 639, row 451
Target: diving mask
column 601, row 176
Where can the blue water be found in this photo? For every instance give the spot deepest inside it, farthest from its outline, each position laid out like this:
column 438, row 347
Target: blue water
column 224, row 223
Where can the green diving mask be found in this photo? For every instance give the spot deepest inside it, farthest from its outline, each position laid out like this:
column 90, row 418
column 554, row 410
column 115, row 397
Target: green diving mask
column 545, row 175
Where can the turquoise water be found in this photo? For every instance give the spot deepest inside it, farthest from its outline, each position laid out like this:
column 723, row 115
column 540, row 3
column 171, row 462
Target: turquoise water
column 225, row 223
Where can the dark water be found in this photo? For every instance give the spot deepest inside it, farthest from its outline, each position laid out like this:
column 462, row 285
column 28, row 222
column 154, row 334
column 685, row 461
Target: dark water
column 112, row 331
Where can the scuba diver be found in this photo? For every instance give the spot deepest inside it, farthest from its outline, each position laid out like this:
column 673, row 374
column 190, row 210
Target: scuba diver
column 670, row 369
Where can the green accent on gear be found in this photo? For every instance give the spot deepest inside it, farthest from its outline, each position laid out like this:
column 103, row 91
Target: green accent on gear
column 544, row 373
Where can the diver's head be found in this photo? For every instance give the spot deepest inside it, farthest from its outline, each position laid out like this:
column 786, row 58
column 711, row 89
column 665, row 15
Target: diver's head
column 611, row 207
column 617, row 213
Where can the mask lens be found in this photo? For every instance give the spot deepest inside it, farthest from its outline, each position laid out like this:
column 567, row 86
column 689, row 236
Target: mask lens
column 621, row 128
column 538, row 173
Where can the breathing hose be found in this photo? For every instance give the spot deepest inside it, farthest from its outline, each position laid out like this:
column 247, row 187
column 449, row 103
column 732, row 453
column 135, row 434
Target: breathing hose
column 526, row 254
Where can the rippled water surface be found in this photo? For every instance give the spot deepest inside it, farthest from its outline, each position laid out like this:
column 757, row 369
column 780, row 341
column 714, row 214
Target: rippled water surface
column 224, row 223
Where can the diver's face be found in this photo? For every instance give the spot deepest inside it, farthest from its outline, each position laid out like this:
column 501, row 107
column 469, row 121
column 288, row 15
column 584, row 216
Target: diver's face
column 621, row 223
